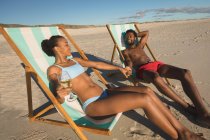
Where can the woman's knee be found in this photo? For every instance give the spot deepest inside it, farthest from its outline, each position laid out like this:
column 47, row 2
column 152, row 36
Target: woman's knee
column 147, row 100
column 148, row 91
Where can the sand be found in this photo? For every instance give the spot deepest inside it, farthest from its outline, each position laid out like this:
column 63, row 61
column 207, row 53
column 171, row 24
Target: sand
column 181, row 43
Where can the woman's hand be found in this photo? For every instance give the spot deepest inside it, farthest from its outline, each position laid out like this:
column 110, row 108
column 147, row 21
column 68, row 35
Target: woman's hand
column 62, row 92
column 127, row 71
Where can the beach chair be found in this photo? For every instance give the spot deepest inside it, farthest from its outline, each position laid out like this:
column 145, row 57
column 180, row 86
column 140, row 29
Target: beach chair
column 117, row 32
column 26, row 42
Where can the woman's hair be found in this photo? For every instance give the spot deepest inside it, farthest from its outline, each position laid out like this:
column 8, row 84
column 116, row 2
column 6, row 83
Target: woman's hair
column 131, row 31
column 49, row 44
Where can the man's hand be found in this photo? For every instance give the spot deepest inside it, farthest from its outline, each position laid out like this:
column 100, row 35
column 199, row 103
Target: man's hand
column 127, row 71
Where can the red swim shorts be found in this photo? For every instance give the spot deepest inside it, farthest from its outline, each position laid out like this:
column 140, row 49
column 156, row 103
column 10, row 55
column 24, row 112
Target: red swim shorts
column 151, row 66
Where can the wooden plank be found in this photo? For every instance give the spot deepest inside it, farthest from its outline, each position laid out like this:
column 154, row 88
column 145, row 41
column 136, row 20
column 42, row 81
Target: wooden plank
column 64, row 124
column 29, row 91
column 113, row 54
column 42, row 111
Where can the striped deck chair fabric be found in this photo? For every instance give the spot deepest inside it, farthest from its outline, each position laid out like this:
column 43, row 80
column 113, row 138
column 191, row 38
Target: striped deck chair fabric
column 118, row 32
column 28, row 40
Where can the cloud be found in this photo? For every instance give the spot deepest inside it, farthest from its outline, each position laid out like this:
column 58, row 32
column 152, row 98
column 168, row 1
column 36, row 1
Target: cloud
column 130, row 17
column 186, row 10
column 136, row 16
column 164, row 15
column 164, row 12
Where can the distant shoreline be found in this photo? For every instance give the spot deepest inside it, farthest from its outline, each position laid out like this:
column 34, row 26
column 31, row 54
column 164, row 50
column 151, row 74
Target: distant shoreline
column 91, row 26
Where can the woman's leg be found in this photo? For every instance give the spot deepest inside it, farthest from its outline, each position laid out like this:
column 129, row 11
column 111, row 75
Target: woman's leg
column 116, row 103
column 126, row 101
column 157, row 101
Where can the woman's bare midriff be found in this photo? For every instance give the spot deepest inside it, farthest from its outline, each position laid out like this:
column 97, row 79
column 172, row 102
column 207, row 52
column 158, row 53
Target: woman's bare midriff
column 85, row 88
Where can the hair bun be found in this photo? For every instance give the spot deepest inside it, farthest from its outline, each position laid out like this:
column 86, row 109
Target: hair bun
column 48, row 44
column 45, row 45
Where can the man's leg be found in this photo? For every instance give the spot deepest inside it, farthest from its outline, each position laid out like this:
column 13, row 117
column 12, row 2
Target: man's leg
column 188, row 85
column 155, row 78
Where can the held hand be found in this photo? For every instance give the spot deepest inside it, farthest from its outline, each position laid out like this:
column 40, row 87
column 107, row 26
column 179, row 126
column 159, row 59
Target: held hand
column 126, row 71
column 129, row 70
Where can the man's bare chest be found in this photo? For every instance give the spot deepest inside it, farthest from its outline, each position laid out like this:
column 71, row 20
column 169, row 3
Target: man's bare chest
column 136, row 52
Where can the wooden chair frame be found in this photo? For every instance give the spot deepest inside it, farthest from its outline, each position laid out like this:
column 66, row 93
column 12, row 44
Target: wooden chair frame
column 29, row 72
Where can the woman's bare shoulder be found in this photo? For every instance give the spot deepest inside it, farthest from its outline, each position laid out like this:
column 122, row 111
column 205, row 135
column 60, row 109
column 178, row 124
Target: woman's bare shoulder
column 53, row 70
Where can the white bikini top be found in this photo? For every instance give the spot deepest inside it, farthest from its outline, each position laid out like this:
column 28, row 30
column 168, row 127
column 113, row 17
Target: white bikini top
column 73, row 71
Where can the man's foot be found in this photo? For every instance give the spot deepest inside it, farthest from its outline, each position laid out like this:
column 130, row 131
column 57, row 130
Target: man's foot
column 191, row 110
column 187, row 135
column 203, row 120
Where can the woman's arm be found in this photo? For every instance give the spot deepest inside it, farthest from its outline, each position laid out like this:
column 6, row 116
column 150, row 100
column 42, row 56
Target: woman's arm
column 59, row 91
column 102, row 66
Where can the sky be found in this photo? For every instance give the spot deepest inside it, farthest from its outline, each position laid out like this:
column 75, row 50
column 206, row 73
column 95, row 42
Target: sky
column 100, row 12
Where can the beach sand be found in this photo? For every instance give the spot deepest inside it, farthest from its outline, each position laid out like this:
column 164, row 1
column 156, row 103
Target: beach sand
column 183, row 44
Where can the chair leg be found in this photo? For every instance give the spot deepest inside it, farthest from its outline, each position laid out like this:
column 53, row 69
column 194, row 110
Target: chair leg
column 168, row 82
column 29, row 91
column 112, row 59
column 113, row 53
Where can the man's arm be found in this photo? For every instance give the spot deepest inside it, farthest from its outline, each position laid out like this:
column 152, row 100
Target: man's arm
column 144, row 37
column 128, row 61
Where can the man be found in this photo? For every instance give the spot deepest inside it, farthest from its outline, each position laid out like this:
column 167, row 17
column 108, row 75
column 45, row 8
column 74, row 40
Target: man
column 153, row 71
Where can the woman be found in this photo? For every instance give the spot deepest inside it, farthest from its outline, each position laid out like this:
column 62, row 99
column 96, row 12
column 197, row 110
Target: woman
column 97, row 102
